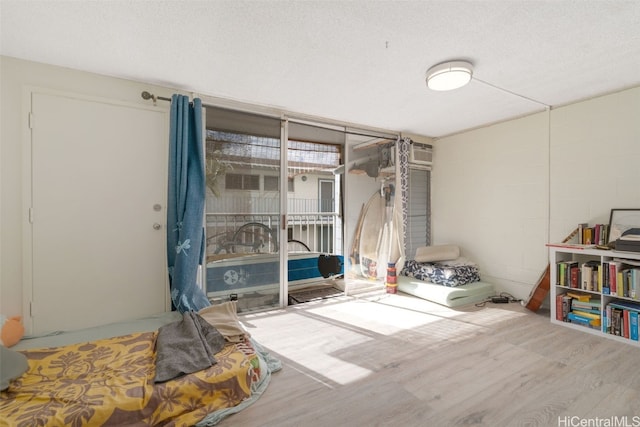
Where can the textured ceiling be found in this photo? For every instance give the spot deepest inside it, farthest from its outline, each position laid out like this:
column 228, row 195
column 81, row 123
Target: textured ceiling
column 357, row 61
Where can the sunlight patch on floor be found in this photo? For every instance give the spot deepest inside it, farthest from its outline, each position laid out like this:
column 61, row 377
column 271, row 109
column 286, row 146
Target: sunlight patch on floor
column 485, row 315
column 378, row 318
column 407, row 321
column 493, row 314
column 314, row 351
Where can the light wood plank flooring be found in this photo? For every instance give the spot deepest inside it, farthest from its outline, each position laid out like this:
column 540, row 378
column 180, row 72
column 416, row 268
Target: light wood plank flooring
column 395, row 360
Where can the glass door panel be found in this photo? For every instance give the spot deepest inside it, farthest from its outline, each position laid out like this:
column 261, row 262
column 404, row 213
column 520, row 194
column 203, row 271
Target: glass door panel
column 314, row 220
column 243, row 208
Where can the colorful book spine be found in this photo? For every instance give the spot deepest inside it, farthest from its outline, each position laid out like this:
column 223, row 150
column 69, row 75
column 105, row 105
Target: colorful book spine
column 613, row 276
column 559, row 310
column 581, row 227
column 583, row 320
column 625, row 323
column 566, row 306
column 616, row 321
column 604, row 278
column 587, row 277
column 563, row 307
column 574, row 275
column 633, row 325
column 579, row 296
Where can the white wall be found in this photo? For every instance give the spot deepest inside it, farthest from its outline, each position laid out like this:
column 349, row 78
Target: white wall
column 503, row 191
column 595, row 160
column 15, row 77
column 490, row 197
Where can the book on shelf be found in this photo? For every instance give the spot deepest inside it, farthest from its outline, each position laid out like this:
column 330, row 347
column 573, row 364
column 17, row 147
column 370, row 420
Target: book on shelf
column 586, row 314
column 581, row 228
column 627, row 281
column 598, row 234
column 574, row 275
column 586, row 277
column 625, row 323
column 583, row 320
column 579, row 296
column 625, row 305
column 623, row 319
column 586, row 300
column 616, row 321
column 601, row 234
column 603, row 278
column 594, row 310
column 633, row 325
column 589, row 275
column 568, row 274
column 612, row 277
column 563, row 307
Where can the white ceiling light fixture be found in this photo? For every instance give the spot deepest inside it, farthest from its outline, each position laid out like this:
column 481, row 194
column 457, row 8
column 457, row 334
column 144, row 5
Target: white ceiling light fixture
column 449, row 75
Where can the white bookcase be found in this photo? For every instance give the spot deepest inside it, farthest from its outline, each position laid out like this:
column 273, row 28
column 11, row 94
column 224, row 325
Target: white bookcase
column 568, row 253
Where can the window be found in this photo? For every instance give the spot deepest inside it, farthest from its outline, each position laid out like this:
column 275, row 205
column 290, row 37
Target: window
column 236, row 181
column 326, row 197
column 419, row 212
column 272, row 183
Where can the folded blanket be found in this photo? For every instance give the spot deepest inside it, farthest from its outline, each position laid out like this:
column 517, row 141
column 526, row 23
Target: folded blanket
column 186, row 346
column 224, row 317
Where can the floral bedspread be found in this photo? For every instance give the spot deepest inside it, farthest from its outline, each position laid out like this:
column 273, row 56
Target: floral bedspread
column 452, row 275
column 110, row 382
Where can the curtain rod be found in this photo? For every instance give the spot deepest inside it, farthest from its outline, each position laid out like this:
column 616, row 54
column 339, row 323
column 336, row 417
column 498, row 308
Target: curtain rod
column 147, row 95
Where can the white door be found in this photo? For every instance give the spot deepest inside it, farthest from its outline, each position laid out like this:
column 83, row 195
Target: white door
column 98, row 212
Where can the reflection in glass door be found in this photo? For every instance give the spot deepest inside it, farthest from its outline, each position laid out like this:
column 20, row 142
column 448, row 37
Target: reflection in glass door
column 314, row 221
column 243, row 209
column 262, row 243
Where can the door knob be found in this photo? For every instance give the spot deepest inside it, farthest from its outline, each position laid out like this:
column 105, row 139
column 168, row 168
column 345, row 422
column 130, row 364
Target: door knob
column 157, row 226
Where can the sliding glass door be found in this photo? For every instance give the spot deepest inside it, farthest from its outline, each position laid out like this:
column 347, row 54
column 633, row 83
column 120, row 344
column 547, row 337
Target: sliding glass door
column 273, row 206
column 243, row 214
column 314, row 202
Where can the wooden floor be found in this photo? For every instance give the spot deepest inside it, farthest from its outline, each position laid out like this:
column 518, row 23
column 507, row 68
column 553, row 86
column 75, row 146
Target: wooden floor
column 395, row 360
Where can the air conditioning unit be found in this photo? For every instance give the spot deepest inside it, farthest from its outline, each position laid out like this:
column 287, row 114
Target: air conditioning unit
column 420, row 154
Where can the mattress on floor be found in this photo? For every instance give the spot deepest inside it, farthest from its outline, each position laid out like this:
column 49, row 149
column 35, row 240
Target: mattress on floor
column 445, row 295
column 91, row 377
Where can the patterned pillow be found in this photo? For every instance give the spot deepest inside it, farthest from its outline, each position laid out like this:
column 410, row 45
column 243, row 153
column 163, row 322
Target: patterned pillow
column 436, row 253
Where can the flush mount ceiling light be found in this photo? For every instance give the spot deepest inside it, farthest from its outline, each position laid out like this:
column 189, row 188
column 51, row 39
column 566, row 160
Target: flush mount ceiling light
column 449, row 75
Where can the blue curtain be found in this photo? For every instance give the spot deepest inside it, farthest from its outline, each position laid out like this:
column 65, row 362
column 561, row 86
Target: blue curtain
column 185, row 232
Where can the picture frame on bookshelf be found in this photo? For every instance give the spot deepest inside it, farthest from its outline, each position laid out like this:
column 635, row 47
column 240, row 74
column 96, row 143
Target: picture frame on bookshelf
column 621, row 220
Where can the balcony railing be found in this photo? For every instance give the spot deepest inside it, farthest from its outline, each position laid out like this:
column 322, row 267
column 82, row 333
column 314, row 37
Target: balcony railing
column 230, row 229
column 266, row 204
